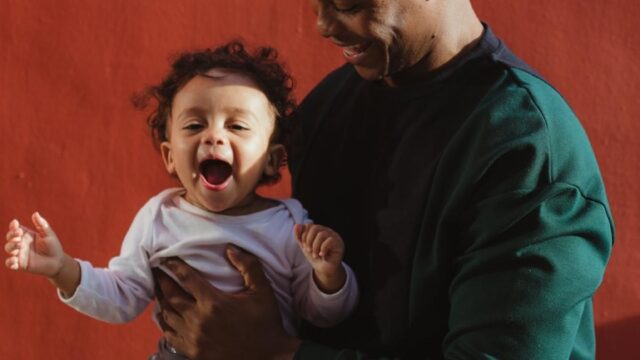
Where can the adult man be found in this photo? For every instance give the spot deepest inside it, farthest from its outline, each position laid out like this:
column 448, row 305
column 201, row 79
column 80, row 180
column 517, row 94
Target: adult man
column 467, row 193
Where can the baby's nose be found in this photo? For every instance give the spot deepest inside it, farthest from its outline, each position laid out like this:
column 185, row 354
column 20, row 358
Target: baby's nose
column 215, row 137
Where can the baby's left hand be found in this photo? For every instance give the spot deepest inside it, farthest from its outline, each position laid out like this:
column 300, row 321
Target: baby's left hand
column 324, row 249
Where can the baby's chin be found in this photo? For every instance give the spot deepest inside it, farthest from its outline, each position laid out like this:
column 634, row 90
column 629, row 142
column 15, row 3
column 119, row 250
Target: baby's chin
column 225, row 205
column 210, row 205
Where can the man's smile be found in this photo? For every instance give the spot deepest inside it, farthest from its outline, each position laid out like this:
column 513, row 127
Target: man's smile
column 355, row 52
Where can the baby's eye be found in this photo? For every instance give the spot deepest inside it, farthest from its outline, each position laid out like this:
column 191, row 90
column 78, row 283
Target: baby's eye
column 193, row 126
column 238, row 127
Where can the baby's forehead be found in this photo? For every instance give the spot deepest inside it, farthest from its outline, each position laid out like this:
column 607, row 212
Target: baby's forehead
column 230, row 75
column 227, row 81
column 222, row 89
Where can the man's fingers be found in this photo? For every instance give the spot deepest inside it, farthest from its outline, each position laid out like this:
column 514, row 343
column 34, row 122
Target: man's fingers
column 249, row 267
column 160, row 319
column 173, row 325
column 176, row 341
column 192, row 280
column 170, row 295
column 163, row 283
column 176, row 323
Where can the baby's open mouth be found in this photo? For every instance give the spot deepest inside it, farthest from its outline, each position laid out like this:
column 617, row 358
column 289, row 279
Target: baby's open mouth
column 215, row 172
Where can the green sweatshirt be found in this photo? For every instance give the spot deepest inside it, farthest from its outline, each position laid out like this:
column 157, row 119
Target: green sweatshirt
column 472, row 209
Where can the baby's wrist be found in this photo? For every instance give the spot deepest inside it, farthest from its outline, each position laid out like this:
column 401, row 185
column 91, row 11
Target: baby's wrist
column 58, row 268
column 330, row 282
column 67, row 278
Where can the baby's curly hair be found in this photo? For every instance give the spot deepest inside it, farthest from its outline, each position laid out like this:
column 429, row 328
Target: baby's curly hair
column 261, row 66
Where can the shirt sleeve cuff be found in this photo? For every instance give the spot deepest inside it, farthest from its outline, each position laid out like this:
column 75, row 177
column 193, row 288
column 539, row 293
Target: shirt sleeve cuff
column 76, row 297
column 348, row 285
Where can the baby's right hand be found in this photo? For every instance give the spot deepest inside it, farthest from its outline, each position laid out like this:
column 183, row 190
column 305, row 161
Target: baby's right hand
column 38, row 252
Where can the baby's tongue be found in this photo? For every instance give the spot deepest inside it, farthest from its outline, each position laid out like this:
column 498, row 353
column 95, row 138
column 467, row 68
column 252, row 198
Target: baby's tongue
column 215, row 171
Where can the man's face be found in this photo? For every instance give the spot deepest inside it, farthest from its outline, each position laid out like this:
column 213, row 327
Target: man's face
column 379, row 37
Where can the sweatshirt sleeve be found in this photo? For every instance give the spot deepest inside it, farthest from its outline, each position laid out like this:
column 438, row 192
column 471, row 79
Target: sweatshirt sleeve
column 120, row 292
column 533, row 234
column 523, row 286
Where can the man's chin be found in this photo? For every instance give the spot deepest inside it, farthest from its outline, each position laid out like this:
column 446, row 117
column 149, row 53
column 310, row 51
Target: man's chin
column 369, row 74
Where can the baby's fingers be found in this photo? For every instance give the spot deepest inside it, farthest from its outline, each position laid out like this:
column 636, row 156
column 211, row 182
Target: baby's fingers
column 310, row 236
column 298, row 231
column 14, row 230
column 329, row 245
column 12, row 263
column 321, row 238
column 307, row 236
column 11, row 246
column 42, row 226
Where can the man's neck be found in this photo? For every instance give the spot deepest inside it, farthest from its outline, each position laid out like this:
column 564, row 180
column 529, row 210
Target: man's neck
column 461, row 30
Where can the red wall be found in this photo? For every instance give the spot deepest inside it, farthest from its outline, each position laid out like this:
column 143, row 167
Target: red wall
column 74, row 149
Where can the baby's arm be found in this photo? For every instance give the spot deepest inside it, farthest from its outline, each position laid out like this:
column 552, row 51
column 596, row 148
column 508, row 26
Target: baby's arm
column 40, row 252
column 324, row 249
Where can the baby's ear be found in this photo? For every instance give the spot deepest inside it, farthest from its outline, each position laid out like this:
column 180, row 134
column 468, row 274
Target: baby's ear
column 275, row 157
column 167, row 157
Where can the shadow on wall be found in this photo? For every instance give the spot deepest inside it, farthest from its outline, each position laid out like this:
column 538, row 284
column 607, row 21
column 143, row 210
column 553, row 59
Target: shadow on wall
column 618, row 340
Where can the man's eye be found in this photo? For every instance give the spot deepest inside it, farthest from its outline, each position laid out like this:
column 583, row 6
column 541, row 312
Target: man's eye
column 346, row 10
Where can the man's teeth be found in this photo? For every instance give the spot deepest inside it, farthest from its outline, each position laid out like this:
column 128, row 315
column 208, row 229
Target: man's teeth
column 352, row 50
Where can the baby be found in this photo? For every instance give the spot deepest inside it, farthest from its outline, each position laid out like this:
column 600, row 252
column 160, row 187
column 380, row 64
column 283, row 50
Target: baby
column 220, row 128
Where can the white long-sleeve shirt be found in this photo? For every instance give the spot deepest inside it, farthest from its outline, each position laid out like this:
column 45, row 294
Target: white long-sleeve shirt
column 167, row 225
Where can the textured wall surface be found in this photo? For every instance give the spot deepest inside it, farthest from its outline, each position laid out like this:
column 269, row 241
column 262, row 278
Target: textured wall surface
column 74, row 149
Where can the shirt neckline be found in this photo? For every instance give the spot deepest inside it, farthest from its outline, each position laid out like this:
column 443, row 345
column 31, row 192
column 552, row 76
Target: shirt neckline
column 487, row 45
column 181, row 203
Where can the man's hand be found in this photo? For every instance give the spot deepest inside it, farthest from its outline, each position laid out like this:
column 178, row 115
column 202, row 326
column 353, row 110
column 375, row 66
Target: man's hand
column 203, row 322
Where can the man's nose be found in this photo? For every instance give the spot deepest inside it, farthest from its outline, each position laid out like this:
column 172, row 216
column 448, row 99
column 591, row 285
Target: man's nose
column 326, row 22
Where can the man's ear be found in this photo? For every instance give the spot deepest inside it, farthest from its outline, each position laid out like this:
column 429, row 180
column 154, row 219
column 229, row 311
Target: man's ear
column 275, row 157
column 167, row 157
